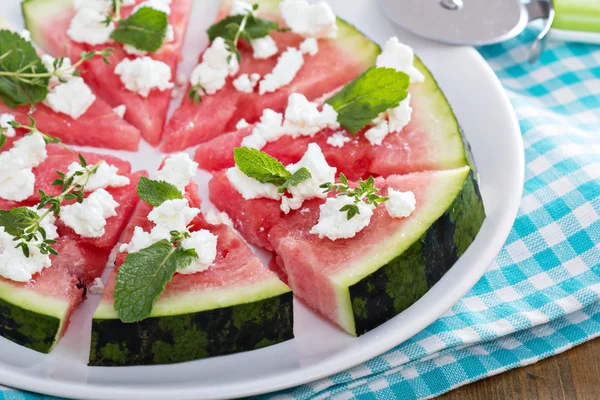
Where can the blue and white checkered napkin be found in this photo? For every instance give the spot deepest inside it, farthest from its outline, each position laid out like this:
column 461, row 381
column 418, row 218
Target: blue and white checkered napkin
column 541, row 295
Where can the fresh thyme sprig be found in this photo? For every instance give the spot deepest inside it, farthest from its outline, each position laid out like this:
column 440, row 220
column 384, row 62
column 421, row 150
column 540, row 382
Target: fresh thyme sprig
column 26, row 225
column 365, row 192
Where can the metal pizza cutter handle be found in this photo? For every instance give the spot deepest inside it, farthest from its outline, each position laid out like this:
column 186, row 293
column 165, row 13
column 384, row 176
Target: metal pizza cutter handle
column 480, row 22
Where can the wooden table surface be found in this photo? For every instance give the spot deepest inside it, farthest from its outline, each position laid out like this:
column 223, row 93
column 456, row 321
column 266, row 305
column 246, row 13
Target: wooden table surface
column 572, row 375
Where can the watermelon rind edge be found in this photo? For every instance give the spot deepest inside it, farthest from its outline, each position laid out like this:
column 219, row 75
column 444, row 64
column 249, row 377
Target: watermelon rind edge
column 38, row 12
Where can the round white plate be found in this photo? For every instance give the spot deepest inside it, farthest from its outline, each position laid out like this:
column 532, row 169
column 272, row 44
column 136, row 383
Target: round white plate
column 319, row 349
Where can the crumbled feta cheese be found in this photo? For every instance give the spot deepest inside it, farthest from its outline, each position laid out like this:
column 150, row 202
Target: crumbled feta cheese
column 338, row 139
column 173, row 215
column 26, row 35
column 400, row 57
column 65, row 71
column 302, row 118
column 314, row 161
column 127, row 3
column 400, row 116
column 309, row 20
column 170, row 34
column 400, row 204
column 88, row 218
column 158, row 5
column 378, row 132
column 16, row 185
column 205, row 244
column 246, row 83
column 288, row 65
column 264, row 47
column 5, row 128
column 97, row 287
column 102, row 6
column 250, row 188
column 335, row 224
column 241, row 124
column 144, row 74
column 106, row 176
column 218, row 218
column 178, row 170
column 268, row 129
column 129, row 49
column 141, row 239
column 217, row 64
column 240, row 8
column 48, row 223
column 120, row 110
column 88, row 26
column 13, row 263
column 72, row 98
column 309, row 46
column 16, row 178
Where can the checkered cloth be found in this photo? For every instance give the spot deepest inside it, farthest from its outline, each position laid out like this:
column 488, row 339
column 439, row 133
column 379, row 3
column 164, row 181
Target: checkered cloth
column 541, row 294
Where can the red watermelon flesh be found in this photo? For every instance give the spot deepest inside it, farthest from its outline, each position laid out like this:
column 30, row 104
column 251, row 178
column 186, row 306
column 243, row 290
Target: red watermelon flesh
column 148, row 114
column 338, row 62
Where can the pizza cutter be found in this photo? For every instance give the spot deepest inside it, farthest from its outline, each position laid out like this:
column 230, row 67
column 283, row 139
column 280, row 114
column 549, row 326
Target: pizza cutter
column 481, row 22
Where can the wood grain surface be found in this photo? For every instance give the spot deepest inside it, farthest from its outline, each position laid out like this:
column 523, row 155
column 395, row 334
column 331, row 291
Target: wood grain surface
column 572, row 375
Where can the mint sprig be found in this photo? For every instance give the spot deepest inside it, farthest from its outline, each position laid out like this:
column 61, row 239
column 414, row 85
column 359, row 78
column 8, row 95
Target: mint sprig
column 244, row 26
column 365, row 192
column 157, row 192
column 145, row 29
column 144, row 276
column 266, row 169
column 362, row 100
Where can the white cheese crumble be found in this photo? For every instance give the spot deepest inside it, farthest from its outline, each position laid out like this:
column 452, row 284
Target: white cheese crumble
column 309, row 20
column 88, row 218
column 309, row 46
column 25, row 35
column 65, row 72
column 288, row 65
column 400, row 116
column 338, row 139
column 129, row 49
column 141, row 239
column 173, row 215
column 88, row 26
column 97, row 5
column 13, row 263
column 178, row 170
column 17, row 180
column 144, row 74
column 334, row 224
column 378, row 132
column 314, row 161
column 48, row 223
column 215, row 67
column 268, row 129
column 170, row 34
column 205, row 244
column 218, row 218
column 246, row 83
column 264, row 47
column 240, row 8
column 5, row 128
column 400, row 204
column 241, row 124
column 400, row 57
column 250, row 188
column 120, row 110
column 97, row 287
column 72, row 98
column 106, row 176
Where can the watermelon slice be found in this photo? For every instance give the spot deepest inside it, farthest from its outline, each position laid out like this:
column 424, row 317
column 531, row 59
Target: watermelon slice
column 48, row 21
column 236, row 305
column 431, row 141
column 360, row 283
column 338, row 62
column 36, row 314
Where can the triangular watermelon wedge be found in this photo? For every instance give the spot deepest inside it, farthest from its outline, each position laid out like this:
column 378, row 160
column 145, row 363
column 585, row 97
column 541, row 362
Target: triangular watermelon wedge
column 339, row 61
column 431, row 141
column 48, row 21
column 236, row 305
column 36, row 314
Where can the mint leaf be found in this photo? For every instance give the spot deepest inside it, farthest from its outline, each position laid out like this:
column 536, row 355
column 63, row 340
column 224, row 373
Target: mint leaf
column 228, row 27
column 16, row 220
column 17, row 56
column 362, row 100
column 3, row 139
column 298, row 177
column 260, row 166
column 144, row 276
column 145, row 29
column 157, row 192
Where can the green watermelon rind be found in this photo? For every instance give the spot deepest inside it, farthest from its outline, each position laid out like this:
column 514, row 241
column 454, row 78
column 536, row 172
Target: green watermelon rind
column 395, row 272
column 193, row 336
column 29, row 319
column 38, row 13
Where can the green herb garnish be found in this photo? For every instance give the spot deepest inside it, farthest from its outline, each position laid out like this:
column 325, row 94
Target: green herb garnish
column 145, row 29
column 362, row 100
column 157, row 192
column 365, row 192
